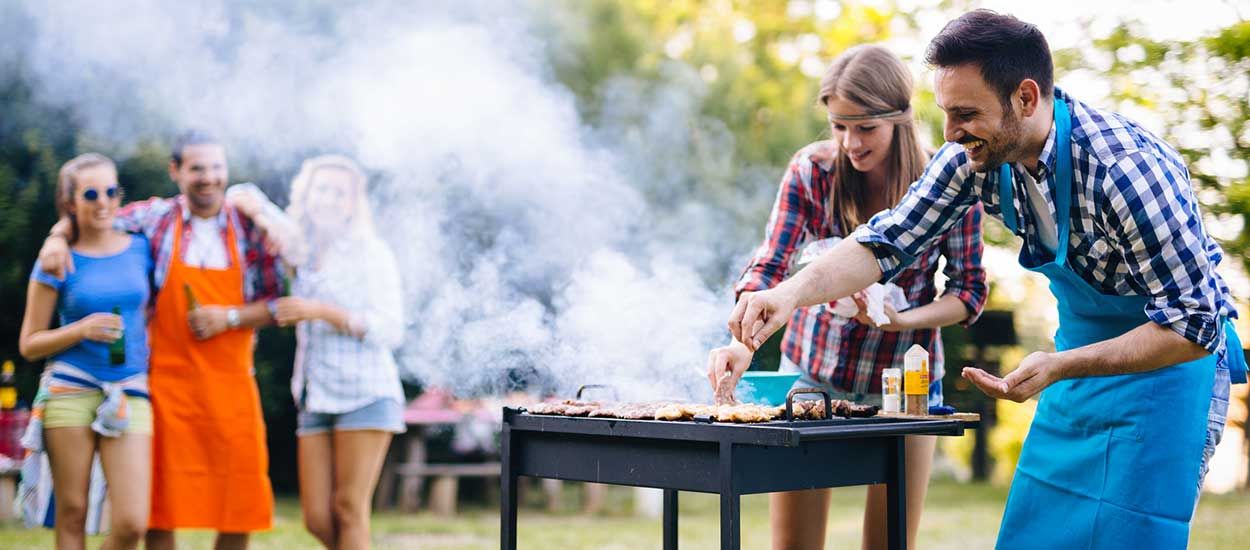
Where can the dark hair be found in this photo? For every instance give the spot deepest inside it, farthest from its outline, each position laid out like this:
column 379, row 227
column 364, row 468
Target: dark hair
column 188, row 138
column 1006, row 49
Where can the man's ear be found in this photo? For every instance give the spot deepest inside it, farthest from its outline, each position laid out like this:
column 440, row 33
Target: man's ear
column 173, row 171
column 1029, row 94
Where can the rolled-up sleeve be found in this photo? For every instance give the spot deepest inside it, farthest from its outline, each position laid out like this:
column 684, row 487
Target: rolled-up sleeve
column 1151, row 211
column 143, row 216
column 929, row 209
column 962, row 248
column 784, row 231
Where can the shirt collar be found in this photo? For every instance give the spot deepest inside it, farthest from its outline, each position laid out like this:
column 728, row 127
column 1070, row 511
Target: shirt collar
column 222, row 215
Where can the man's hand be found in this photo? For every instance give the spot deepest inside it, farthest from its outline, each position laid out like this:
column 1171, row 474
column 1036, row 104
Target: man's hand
column 290, row 310
column 759, row 314
column 55, row 258
column 100, row 327
column 1036, row 372
column 207, row 321
column 246, row 202
column 731, row 360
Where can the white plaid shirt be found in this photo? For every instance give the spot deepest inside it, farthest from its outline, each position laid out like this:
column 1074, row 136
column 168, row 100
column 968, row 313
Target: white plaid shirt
column 1135, row 225
column 335, row 372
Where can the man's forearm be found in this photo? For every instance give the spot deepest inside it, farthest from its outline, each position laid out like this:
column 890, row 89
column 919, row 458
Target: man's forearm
column 1148, row 347
column 844, row 270
column 255, row 315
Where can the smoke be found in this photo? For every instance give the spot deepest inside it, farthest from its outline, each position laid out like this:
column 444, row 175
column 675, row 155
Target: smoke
column 535, row 249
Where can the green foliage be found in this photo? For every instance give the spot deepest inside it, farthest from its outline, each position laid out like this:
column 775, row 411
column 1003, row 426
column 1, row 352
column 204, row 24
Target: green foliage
column 761, row 65
column 33, row 141
column 1200, row 89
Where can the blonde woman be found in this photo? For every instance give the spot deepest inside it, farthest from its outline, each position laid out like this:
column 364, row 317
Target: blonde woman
column 346, row 304
column 94, row 392
column 830, row 188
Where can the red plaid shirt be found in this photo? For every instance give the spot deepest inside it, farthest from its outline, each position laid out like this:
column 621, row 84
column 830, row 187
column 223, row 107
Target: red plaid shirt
column 842, row 351
column 155, row 218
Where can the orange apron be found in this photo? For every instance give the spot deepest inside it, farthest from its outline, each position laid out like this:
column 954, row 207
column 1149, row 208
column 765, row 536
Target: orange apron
column 210, row 464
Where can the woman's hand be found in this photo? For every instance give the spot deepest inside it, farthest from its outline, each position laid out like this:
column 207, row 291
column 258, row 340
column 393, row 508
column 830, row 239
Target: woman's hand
column 291, row 310
column 897, row 321
column 725, row 366
column 99, row 327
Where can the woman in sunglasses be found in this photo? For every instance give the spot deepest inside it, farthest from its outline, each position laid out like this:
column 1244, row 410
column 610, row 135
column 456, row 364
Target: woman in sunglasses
column 346, row 306
column 93, row 394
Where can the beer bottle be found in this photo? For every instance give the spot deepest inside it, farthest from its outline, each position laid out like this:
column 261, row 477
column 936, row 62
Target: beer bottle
column 192, row 303
column 117, row 350
column 8, row 387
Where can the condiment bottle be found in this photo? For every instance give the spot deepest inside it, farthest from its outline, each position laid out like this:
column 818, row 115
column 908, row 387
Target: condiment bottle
column 916, row 380
column 891, row 390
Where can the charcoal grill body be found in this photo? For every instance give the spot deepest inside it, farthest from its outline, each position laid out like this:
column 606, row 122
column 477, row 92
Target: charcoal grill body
column 728, row 459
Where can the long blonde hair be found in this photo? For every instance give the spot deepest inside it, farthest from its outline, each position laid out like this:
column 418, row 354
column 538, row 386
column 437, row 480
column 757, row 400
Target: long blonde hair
column 361, row 220
column 67, row 186
column 875, row 79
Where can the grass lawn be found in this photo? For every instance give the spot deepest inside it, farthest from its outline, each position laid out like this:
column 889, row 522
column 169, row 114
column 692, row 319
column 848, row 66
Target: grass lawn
column 958, row 516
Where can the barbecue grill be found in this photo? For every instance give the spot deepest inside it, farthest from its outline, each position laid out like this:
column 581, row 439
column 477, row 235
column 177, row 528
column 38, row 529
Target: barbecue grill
column 728, row 459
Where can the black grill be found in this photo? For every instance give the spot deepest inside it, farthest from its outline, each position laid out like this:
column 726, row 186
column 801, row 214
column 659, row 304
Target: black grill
column 728, row 459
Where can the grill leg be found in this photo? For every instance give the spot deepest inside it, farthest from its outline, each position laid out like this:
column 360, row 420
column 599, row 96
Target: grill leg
column 730, row 520
column 670, row 519
column 507, row 493
column 896, row 496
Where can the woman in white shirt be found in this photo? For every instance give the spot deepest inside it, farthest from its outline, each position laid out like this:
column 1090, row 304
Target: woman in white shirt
column 346, row 304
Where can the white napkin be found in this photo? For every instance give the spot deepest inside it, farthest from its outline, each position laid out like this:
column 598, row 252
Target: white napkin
column 877, row 295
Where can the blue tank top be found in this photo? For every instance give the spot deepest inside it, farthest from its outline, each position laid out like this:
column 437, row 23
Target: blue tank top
column 97, row 285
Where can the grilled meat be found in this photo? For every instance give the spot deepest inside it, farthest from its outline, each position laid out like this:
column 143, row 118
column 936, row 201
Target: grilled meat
column 804, row 409
column 568, row 407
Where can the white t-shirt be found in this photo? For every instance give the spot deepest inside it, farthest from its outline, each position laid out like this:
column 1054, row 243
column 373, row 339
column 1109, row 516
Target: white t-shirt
column 1046, row 229
column 207, row 248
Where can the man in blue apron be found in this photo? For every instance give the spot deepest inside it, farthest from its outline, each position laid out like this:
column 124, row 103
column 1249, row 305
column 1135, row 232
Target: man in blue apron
column 1133, row 402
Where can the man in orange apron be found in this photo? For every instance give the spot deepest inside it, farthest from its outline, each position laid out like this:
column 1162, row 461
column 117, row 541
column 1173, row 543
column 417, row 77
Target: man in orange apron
column 214, row 279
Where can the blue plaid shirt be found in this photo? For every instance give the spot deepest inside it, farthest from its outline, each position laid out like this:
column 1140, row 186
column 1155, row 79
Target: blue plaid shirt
column 1135, row 230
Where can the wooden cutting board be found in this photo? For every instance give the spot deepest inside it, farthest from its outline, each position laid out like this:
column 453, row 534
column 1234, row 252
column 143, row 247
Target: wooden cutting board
column 962, row 417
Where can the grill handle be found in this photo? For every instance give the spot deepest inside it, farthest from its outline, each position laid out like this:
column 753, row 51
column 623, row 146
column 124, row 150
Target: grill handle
column 615, row 396
column 797, row 391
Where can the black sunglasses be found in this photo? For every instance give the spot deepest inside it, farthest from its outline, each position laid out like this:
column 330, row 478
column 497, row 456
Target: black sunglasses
column 91, row 195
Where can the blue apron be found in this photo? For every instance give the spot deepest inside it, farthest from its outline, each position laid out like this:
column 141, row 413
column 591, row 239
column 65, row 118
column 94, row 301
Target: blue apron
column 1109, row 461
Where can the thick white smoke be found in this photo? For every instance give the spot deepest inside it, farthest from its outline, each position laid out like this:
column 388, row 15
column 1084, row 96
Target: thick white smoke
column 533, row 246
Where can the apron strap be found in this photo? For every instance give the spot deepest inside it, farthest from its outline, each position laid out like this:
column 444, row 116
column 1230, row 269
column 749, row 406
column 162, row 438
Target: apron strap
column 1235, row 355
column 1062, row 179
column 1006, row 196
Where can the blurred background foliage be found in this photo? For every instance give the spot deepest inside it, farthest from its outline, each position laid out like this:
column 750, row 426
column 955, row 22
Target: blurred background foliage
column 752, row 70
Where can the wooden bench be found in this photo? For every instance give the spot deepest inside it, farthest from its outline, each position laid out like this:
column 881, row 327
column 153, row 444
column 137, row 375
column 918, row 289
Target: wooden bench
column 406, row 470
column 445, row 485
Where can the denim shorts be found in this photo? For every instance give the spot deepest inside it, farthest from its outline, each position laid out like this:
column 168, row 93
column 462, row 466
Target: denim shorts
column 1217, row 416
column 807, row 381
column 385, row 415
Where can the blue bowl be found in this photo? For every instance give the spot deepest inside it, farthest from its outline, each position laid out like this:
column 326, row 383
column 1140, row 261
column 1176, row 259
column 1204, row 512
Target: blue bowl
column 764, row 387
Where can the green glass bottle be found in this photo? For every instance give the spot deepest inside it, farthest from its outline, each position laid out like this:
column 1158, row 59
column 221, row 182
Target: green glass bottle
column 117, row 350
